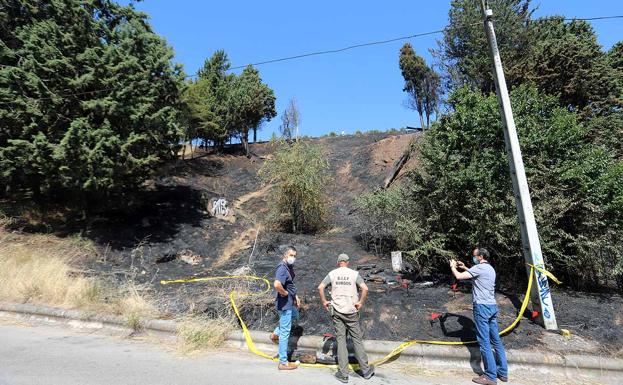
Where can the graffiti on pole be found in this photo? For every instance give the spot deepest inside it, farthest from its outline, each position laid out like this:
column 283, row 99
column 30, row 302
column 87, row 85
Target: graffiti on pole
column 544, row 291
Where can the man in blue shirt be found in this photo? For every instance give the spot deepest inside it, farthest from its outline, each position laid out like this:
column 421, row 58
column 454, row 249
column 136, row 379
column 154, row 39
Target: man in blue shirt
column 287, row 303
column 482, row 275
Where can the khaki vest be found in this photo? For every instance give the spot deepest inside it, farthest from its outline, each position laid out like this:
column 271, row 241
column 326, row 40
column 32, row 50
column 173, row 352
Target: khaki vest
column 344, row 290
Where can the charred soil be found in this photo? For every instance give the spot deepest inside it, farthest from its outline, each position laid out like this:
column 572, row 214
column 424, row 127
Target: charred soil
column 173, row 235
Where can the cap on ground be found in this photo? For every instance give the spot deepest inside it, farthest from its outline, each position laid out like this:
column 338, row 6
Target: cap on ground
column 342, row 258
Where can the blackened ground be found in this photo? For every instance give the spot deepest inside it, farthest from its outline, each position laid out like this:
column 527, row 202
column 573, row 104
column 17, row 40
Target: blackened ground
column 143, row 245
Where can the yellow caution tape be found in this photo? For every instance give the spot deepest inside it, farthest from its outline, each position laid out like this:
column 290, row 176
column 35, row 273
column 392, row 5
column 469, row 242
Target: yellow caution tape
column 547, row 273
column 399, row 349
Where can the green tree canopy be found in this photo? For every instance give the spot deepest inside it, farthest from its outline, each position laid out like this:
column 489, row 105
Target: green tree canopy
column 562, row 58
column 464, row 51
column 251, row 103
column 615, row 59
column 222, row 105
column 88, row 98
column 566, row 60
column 207, row 100
column 421, row 83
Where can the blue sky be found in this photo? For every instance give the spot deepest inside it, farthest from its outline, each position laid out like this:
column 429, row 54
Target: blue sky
column 360, row 89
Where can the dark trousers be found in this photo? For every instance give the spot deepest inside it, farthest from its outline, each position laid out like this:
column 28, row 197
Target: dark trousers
column 348, row 324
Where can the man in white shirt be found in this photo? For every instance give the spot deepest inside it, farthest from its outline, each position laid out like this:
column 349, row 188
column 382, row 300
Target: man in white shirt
column 344, row 308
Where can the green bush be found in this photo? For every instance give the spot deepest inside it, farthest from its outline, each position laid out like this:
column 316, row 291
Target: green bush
column 89, row 100
column 461, row 195
column 299, row 174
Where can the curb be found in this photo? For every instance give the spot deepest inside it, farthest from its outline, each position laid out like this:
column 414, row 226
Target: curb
column 426, row 355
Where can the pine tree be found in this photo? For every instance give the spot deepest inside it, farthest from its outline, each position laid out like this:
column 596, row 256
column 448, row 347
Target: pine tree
column 223, row 106
column 208, row 100
column 464, row 52
column 567, row 61
column 89, row 99
column 421, row 83
column 251, row 103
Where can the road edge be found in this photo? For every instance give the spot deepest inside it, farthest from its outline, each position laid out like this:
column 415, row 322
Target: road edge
column 425, row 355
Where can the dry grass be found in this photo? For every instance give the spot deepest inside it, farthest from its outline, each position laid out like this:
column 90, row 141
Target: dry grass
column 37, row 269
column 5, row 220
column 48, row 270
column 45, row 270
column 198, row 333
column 133, row 305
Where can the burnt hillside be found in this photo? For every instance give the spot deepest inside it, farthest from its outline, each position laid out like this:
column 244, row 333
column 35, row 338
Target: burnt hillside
column 173, row 236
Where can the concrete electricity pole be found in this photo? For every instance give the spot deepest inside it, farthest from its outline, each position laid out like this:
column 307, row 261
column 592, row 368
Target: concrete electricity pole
column 540, row 294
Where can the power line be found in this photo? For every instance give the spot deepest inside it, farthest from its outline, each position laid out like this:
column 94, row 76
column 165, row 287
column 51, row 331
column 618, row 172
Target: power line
column 393, row 40
column 325, row 52
column 318, row 53
column 592, row 18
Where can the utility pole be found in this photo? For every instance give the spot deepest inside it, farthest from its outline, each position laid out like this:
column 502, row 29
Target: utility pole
column 540, row 295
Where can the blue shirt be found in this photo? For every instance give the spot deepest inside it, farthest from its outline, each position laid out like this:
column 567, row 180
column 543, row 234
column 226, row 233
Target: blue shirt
column 285, row 275
column 483, row 280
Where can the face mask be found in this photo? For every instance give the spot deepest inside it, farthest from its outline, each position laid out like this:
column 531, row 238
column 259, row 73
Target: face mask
column 291, row 260
column 475, row 260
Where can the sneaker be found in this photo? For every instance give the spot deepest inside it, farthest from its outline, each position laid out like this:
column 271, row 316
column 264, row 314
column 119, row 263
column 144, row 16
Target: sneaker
column 287, row 366
column 341, row 377
column 274, row 338
column 503, row 378
column 368, row 375
column 483, row 380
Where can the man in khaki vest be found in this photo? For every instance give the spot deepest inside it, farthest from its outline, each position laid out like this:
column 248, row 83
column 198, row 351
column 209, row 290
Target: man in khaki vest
column 344, row 308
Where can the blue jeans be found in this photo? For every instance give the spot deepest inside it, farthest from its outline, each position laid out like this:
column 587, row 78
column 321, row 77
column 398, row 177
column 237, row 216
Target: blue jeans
column 486, row 319
column 286, row 317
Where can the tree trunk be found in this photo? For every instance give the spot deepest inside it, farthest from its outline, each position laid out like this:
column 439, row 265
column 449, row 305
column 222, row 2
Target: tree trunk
column 254, row 134
column 245, row 143
column 184, row 148
column 422, row 121
column 396, row 168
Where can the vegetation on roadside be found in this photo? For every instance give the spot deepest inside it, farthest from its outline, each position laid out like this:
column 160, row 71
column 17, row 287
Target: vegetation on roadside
column 199, row 333
column 44, row 269
column 299, row 174
column 461, row 195
column 48, row 270
column 567, row 97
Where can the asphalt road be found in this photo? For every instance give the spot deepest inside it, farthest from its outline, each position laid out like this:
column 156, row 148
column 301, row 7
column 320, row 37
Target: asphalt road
column 54, row 355
column 46, row 355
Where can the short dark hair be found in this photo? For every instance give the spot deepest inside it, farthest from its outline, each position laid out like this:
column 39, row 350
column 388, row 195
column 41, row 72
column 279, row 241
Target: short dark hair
column 290, row 247
column 484, row 253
